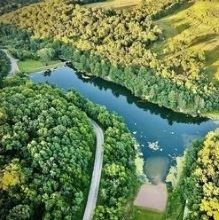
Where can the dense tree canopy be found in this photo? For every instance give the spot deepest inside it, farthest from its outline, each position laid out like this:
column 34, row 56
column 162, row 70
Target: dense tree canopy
column 118, row 180
column 47, row 145
column 46, row 153
column 4, row 64
column 198, row 188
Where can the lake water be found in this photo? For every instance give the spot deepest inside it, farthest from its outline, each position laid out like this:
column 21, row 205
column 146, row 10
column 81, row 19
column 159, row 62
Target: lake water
column 167, row 132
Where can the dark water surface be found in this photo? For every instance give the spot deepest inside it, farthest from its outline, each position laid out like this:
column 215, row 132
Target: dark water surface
column 151, row 125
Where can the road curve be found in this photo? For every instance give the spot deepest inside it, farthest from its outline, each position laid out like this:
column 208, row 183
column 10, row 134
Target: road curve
column 13, row 61
column 96, row 175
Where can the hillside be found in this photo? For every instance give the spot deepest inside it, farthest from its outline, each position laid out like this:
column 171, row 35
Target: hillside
column 12, row 5
column 196, row 26
column 136, row 49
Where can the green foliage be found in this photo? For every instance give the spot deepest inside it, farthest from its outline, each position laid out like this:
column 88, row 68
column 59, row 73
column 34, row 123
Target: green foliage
column 22, row 212
column 143, row 214
column 46, row 54
column 121, row 37
column 4, row 64
column 158, row 8
column 12, row 5
column 53, row 142
column 22, row 46
column 198, row 187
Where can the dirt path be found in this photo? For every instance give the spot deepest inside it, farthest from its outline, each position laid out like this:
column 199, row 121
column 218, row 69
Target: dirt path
column 96, row 176
column 13, row 61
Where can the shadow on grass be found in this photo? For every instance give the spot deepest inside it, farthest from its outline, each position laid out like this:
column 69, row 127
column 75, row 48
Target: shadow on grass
column 212, row 55
column 182, row 27
column 205, row 38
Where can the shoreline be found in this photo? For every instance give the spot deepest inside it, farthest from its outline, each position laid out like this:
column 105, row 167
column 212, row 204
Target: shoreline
column 208, row 115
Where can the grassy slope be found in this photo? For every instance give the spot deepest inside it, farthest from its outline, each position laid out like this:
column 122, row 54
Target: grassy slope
column 200, row 21
column 29, row 66
column 114, row 4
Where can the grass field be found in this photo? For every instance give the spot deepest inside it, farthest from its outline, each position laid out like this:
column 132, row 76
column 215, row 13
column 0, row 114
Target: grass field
column 29, row 66
column 115, row 4
column 143, row 214
column 199, row 23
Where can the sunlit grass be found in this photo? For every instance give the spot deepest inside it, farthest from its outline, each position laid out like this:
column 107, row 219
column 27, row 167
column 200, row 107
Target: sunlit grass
column 29, row 65
column 200, row 23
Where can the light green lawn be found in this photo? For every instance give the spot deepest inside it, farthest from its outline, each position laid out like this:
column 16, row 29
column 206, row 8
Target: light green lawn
column 199, row 21
column 144, row 214
column 29, row 65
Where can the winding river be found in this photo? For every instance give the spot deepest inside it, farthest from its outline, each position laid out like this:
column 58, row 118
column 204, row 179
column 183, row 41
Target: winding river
column 162, row 134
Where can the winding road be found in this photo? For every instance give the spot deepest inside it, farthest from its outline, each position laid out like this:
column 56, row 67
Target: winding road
column 96, row 175
column 13, row 61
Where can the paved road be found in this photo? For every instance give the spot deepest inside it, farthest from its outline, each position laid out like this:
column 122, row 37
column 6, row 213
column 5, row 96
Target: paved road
column 14, row 66
column 96, row 176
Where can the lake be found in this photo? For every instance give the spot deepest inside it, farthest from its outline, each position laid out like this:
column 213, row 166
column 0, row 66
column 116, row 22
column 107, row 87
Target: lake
column 161, row 133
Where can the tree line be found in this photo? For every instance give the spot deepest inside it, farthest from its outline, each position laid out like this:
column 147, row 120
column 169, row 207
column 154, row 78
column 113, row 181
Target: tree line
column 4, row 64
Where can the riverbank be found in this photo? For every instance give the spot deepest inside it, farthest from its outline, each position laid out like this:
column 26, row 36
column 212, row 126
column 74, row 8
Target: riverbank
column 210, row 115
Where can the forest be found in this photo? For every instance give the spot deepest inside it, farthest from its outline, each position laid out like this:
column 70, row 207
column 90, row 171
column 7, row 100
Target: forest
column 120, row 46
column 4, row 64
column 198, row 188
column 47, row 146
